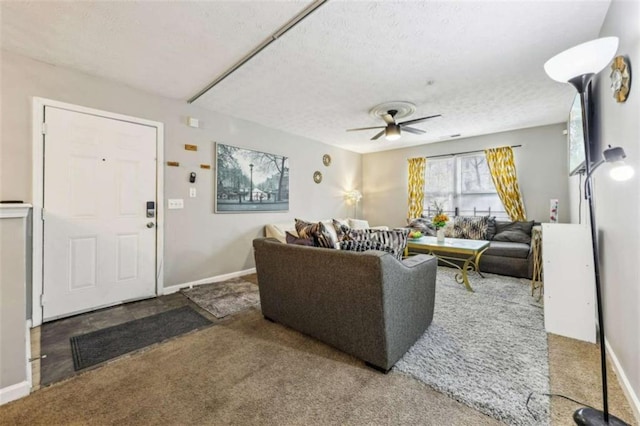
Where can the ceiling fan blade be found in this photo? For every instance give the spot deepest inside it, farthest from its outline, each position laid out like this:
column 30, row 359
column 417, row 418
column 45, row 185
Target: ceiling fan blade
column 417, row 120
column 366, row 128
column 377, row 136
column 388, row 118
column 413, row 130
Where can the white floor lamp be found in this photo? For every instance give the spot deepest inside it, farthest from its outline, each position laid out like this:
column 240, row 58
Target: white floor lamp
column 353, row 197
column 578, row 66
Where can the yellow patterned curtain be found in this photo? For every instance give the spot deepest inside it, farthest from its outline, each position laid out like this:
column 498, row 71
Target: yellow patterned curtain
column 503, row 172
column 416, row 186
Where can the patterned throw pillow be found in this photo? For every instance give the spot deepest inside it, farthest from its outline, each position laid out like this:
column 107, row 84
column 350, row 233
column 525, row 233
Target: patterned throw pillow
column 342, row 229
column 365, row 245
column 396, row 239
column 306, row 229
column 292, row 239
column 470, row 227
column 318, row 232
column 325, row 237
column 422, row 224
column 492, row 228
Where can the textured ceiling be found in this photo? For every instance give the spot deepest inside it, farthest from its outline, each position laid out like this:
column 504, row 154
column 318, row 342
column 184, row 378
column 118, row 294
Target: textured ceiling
column 478, row 63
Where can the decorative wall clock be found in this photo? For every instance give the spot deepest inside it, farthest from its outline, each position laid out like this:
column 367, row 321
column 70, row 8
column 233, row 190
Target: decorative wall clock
column 317, row 177
column 620, row 78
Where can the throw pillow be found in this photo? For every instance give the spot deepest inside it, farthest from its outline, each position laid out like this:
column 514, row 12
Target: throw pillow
column 516, row 232
column 492, row 228
column 306, row 229
column 292, row 239
column 421, row 224
column 325, row 237
column 351, row 245
column 342, row 229
column 396, row 239
column 470, row 227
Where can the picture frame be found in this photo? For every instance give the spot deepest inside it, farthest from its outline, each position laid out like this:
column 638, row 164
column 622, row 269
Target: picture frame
column 249, row 181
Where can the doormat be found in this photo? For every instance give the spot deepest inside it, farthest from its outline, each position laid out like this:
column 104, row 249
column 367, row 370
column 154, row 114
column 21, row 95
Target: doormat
column 486, row 349
column 225, row 297
column 98, row 346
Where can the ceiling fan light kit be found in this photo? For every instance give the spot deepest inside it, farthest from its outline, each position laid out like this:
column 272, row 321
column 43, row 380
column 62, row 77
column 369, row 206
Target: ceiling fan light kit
column 393, row 130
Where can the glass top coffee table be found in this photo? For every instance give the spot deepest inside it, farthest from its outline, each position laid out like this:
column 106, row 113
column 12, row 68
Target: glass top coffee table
column 470, row 251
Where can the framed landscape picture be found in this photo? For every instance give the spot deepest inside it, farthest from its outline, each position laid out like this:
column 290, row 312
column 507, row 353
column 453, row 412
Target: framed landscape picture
column 250, row 181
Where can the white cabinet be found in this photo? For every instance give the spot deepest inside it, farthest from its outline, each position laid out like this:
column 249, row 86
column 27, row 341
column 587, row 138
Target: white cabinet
column 569, row 281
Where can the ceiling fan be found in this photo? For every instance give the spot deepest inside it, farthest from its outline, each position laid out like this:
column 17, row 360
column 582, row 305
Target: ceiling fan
column 392, row 130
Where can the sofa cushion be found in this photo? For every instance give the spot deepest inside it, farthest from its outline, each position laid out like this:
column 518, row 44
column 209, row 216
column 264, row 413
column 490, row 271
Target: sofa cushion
column 351, row 245
column 507, row 249
column 470, row 227
column 515, row 232
column 293, row 239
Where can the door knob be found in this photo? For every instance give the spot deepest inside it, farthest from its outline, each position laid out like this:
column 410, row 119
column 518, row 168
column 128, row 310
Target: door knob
column 150, row 225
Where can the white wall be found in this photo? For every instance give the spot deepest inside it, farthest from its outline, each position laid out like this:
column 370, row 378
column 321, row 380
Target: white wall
column 198, row 243
column 617, row 203
column 541, row 164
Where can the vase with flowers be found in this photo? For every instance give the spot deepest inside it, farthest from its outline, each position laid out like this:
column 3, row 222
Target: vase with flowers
column 439, row 221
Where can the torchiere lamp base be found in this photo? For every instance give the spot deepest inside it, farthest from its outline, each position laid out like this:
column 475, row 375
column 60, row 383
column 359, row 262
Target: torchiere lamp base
column 592, row 417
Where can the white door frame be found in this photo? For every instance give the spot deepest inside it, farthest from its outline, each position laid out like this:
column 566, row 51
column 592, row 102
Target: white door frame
column 37, row 193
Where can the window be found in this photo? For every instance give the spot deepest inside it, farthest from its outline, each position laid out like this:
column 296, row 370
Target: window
column 462, row 186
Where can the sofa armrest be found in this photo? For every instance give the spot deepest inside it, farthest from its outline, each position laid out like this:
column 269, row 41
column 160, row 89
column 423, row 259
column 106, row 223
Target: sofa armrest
column 380, row 228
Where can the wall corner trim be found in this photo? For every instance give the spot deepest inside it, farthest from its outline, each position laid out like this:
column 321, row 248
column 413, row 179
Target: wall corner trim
column 632, row 397
column 13, row 392
column 175, row 288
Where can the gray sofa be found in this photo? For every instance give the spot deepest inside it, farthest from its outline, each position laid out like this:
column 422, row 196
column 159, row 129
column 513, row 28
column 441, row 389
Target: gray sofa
column 513, row 258
column 368, row 304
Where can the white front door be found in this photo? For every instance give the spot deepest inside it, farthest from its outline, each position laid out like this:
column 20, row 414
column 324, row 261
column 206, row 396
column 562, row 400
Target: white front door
column 99, row 244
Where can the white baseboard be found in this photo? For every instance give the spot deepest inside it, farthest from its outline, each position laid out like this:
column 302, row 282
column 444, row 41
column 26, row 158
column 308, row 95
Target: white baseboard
column 632, row 397
column 217, row 278
column 13, row 392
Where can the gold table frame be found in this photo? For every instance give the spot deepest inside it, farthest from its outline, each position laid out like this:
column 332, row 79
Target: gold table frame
column 473, row 248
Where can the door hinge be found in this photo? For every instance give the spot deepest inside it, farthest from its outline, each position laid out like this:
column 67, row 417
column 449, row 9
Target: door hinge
column 44, row 128
column 42, row 299
column 42, row 214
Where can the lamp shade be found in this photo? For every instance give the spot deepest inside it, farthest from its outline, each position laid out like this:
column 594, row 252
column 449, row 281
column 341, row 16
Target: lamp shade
column 621, row 171
column 586, row 58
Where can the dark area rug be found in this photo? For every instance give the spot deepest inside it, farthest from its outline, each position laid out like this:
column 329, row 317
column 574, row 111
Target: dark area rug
column 99, row 346
column 226, row 297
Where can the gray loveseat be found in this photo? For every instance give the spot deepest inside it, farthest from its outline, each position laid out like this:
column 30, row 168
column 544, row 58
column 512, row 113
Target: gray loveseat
column 368, row 304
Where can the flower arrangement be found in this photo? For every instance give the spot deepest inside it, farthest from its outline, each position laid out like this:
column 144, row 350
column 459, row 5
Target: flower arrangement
column 440, row 219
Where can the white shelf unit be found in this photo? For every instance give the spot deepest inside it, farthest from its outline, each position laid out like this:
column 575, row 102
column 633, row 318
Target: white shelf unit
column 569, row 281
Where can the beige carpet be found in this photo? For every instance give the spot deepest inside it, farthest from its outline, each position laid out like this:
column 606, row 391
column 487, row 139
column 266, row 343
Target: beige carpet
column 246, row 370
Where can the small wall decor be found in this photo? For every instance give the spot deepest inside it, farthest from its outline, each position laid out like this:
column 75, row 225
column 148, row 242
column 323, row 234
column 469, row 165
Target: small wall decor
column 317, row 176
column 205, row 166
column 173, row 164
column 326, row 160
column 250, row 181
column 620, row 78
column 191, row 147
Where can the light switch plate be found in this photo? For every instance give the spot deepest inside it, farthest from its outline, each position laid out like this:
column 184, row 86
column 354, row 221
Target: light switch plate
column 175, row 203
column 192, row 192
